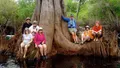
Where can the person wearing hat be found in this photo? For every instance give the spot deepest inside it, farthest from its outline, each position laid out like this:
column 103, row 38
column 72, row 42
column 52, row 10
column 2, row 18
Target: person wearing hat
column 27, row 40
column 40, row 42
column 34, row 28
column 27, row 24
column 71, row 27
column 86, row 35
column 97, row 31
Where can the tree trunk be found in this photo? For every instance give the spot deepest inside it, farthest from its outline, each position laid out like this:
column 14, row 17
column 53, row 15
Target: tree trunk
column 48, row 14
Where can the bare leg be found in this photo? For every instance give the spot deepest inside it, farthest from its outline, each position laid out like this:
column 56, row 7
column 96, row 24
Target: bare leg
column 94, row 34
column 73, row 36
column 25, row 51
column 87, row 38
column 45, row 49
column 21, row 48
column 41, row 49
column 99, row 34
column 82, row 38
column 76, row 38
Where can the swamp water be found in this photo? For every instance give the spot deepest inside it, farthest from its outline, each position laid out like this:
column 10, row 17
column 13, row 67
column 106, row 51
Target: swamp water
column 60, row 61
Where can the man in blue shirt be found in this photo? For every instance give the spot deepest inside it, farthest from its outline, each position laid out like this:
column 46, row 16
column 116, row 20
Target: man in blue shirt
column 71, row 27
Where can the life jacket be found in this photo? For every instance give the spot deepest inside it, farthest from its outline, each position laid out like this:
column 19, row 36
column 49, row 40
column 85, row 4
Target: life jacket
column 88, row 33
column 72, row 24
column 97, row 28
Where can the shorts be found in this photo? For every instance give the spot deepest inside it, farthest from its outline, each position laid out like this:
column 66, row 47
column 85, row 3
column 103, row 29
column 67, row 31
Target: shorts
column 39, row 45
column 72, row 30
column 23, row 44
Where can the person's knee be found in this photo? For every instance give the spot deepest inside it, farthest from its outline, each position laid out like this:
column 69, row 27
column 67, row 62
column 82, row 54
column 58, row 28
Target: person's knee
column 44, row 45
column 87, row 37
column 26, row 46
column 72, row 33
column 93, row 33
column 100, row 33
column 40, row 46
column 82, row 34
column 22, row 45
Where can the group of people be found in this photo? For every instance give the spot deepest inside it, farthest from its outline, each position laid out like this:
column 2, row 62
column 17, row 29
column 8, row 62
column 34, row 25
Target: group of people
column 89, row 34
column 94, row 33
column 33, row 33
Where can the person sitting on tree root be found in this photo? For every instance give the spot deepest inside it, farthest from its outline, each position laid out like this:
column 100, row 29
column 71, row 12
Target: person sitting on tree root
column 40, row 42
column 71, row 27
column 27, row 40
column 27, row 24
column 86, row 35
column 34, row 28
column 97, row 31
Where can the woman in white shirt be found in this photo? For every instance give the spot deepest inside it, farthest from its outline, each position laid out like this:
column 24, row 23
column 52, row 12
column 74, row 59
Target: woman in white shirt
column 27, row 40
column 34, row 28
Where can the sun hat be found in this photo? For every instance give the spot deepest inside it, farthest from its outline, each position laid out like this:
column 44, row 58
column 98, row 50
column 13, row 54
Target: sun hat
column 26, row 28
column 28, row 18
column 35, row 22
column 40, row 28
column 87, row 26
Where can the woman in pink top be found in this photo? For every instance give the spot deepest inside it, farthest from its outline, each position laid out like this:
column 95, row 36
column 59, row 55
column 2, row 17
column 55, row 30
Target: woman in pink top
column 40, row 42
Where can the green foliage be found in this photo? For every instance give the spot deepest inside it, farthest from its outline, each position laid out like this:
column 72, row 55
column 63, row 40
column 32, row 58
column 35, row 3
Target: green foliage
column 71, row 7
column 92, row 10
column 25, row 9
column 115, row 5
column 7, row 10
column 16, row 12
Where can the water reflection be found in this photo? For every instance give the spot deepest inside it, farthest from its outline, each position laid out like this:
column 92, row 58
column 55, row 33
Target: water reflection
column 74, row 62
column 98, row 63
column 61, row 62
column 8, row 62
column 3, row 58
column 36, row 64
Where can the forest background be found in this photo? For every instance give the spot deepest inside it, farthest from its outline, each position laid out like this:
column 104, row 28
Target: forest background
column 14, row 12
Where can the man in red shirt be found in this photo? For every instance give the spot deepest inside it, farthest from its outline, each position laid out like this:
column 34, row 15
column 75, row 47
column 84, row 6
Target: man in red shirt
column 97, row 30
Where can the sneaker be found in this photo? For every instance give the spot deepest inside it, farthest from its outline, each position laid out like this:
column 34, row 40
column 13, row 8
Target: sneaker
column 76, row 42
column 41, row 57
column 82, row 43
column 97, row 39
column 24, row 56
column 44, row 57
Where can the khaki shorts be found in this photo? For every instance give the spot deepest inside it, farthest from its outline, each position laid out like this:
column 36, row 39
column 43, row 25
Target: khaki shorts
column 25, row 44
column 72, row 30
